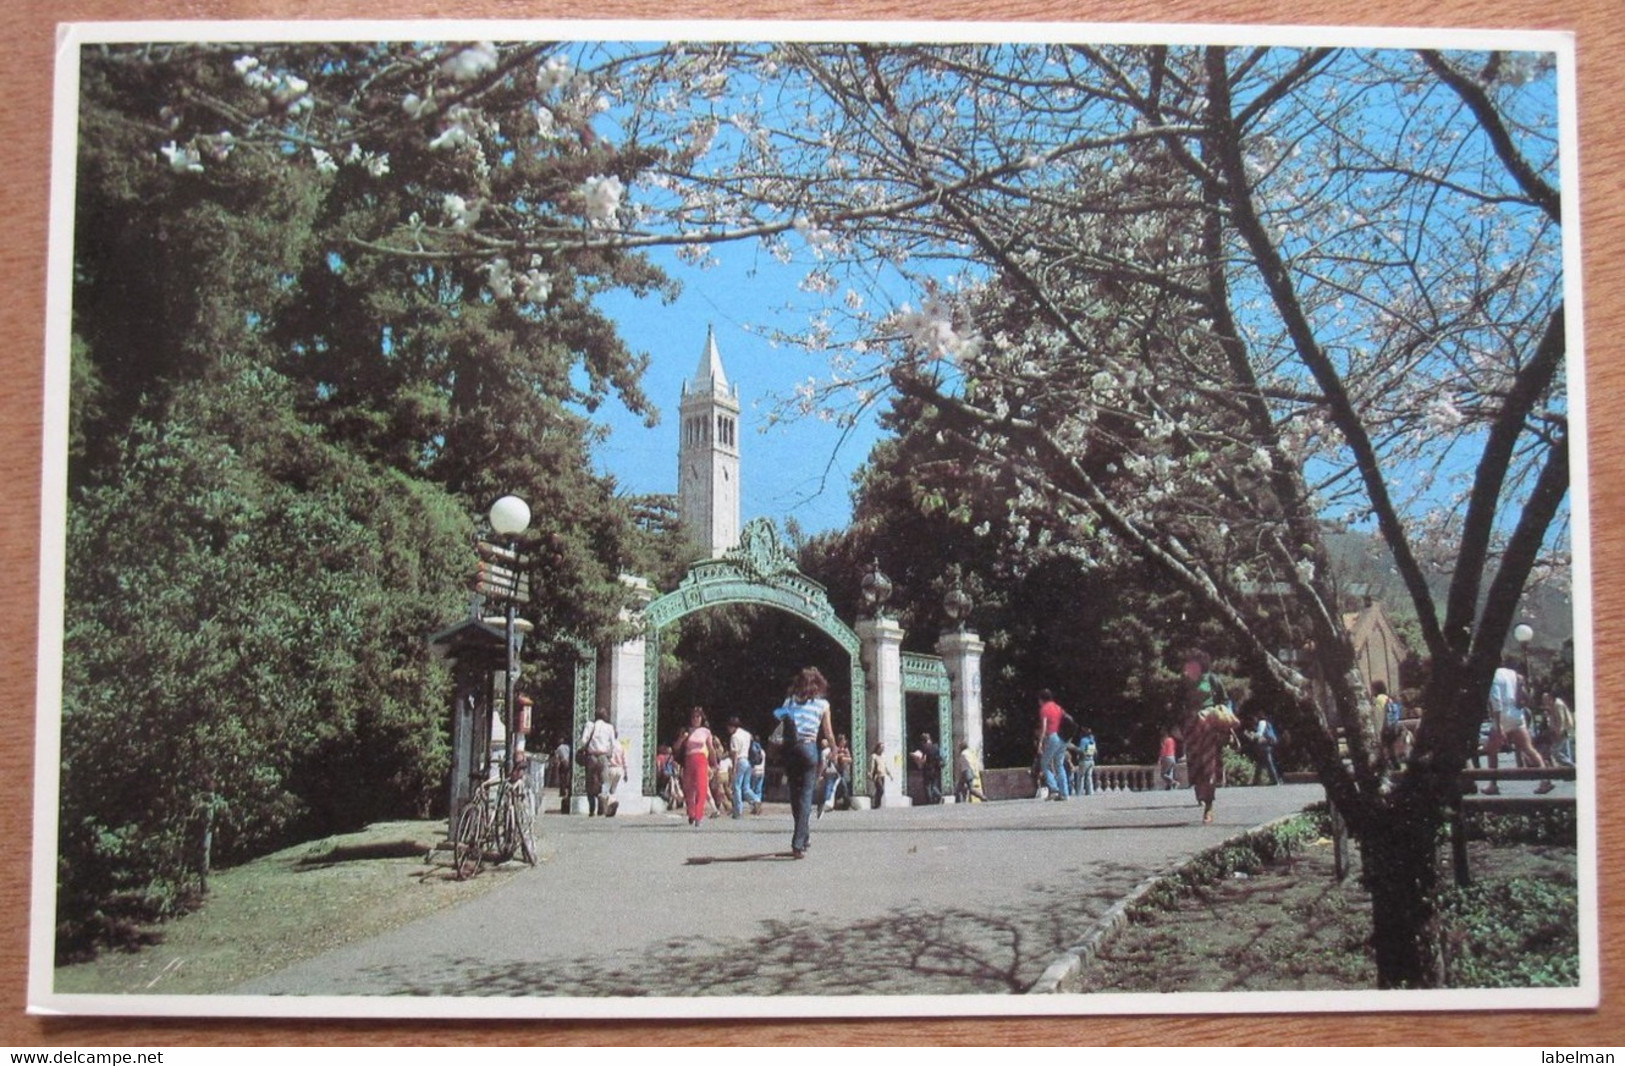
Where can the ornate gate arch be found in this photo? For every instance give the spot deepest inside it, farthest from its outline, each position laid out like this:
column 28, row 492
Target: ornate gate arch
column 758, row 571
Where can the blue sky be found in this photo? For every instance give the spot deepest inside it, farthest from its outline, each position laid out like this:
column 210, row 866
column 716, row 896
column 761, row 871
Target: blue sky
column 781, row 465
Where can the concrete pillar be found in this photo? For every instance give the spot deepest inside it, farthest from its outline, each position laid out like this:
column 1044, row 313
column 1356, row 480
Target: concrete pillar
column 621, row 677
column 883, row 664
column 962, row 656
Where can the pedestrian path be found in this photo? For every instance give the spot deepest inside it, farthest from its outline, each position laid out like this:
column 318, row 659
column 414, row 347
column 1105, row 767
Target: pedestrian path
column 956, row 899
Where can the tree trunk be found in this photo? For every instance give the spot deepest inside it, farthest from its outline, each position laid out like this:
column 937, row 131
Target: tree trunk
column 1398, row 853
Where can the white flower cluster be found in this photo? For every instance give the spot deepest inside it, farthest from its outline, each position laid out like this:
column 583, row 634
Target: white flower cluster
column 375, row 163
column 188, row 158
column 462, row 214
column 817, row 237
column 470, row 61
column 534, row 284
column 287, row 91
column 552, row 74
column 931, row 330
column 461, row 128
column 1443, row 415
column 603, row 197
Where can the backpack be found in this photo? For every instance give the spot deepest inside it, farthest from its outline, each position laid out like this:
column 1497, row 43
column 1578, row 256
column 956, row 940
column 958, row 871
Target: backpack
column 1269, row 732
column 757, row 755
column 1395, row 712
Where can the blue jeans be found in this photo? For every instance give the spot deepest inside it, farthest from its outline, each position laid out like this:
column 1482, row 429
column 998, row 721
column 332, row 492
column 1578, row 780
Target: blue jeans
column 801, row 773
column 743, row 790
column 1084, row 785
column 1055, row 776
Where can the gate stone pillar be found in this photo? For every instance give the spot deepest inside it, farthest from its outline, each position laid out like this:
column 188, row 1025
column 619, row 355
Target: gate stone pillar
column 621, row 675
column 882, row 641
column 962, row 655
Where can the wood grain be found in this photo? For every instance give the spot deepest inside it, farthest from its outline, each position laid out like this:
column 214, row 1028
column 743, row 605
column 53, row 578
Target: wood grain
column 25, row 73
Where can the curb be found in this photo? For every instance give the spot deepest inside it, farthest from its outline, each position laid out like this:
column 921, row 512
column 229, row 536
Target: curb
column 1067, row 966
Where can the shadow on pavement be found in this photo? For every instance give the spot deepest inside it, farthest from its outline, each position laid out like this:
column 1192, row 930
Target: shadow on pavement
column 905, row 951
column 761, row 856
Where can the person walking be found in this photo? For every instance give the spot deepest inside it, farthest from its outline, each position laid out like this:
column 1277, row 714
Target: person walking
column 1052, row 746
column 1083, row 777
column 597, row 745
column 879, row 774
column 843, row 767
column 828, row 777
column 693, row 747
column 1168, row 760
column 930, row 768
column 805, row 714
column 1264, row 739
column 1510, row 728
column 758, row 774
column 613, row 778
column 1209, row 726
column 968, row 776
column 1559, row 728
column 740, row 743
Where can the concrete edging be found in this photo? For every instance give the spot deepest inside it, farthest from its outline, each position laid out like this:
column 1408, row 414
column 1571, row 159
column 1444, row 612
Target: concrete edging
column 1069, row 964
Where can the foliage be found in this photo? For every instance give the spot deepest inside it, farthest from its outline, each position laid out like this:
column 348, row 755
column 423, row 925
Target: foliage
column 1246, row 855
column 1521, row 933
column 278, row 437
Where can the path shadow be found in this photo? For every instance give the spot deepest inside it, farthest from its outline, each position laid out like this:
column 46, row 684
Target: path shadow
column 761, row 856
column 909, row 950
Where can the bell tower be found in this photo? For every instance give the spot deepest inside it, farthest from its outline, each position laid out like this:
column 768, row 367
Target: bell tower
column 708, row 456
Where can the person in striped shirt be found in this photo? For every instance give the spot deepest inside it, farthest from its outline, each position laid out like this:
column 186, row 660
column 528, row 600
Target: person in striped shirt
column 805, row 713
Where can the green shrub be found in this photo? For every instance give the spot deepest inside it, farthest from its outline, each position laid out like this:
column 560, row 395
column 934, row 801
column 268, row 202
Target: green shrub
column 1521, row 933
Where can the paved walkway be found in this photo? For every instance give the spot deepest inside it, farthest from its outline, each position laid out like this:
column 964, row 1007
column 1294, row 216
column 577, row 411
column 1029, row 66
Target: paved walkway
column 953, row 899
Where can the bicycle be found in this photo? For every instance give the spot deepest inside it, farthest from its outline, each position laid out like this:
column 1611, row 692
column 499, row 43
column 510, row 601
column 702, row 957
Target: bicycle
column 494, row 827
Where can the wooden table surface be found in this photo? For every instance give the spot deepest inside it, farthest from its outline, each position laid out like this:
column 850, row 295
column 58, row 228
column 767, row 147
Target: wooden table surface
column 25, row 74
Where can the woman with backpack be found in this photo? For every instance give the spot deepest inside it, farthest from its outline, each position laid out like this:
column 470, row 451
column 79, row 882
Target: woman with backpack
column 1209, row 727
column 805, row 718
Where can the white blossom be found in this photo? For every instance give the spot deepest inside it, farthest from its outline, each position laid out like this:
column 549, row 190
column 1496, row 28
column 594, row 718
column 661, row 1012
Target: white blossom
column 1443, row 414
column 325, row 163
column 1306, row 570
column 460, row 212
column 471, row 61
column 552, row 74
column 1261, row 460
column 603, row 197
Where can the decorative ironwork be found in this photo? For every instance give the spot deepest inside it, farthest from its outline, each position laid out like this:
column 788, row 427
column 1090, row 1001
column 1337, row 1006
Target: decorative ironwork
column 928, row 675
column 586, row 705
column 925, row 674
column 760, row 571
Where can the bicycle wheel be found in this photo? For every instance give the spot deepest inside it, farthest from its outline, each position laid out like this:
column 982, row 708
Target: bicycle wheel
column 502, row 830
column 523, row 833
column 468, row 852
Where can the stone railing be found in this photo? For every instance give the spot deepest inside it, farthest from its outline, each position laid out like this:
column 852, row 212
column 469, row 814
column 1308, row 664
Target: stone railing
column 1017, row 783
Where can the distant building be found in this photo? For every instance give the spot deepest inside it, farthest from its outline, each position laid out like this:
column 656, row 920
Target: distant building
column 1378, row 651
column 708, row 457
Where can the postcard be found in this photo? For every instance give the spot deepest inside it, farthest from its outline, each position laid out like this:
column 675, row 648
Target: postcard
column 626, row 519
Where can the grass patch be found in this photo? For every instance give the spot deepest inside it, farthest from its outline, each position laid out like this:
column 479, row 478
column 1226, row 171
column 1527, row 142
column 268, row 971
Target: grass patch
column 285, row 907
column 1267, row 915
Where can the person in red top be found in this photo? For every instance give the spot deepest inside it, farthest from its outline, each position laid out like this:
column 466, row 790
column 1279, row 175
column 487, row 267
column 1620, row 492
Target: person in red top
column 1168, row 759
column 1052, row 746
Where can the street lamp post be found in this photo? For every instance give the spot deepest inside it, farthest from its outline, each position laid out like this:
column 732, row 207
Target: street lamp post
column 509, row 517
column 876, row 588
